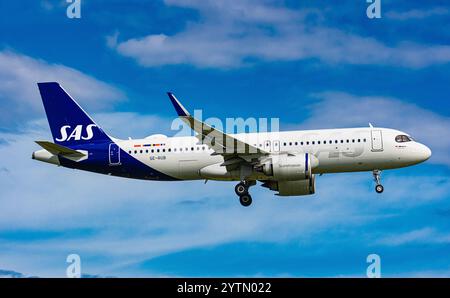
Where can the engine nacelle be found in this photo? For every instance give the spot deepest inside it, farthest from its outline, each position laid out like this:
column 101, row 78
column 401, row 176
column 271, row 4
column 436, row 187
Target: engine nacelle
column 286, row 167
column 293, row 188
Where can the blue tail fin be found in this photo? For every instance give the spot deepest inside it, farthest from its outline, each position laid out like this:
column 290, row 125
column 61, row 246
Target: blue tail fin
column 69, row 124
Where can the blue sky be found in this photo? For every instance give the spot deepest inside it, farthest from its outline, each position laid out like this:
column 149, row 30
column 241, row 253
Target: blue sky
column 313, row 64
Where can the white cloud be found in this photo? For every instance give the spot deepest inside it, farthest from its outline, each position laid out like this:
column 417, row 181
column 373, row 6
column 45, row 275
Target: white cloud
column 133, row 220
column 19, row 95
column 417, row 14
column 47, row 5
column 128, row 124
column 111, row 40
column 425, row 235
column 50, row 5
column 136, row 220
column 443, row 273
column 348, row 110
column 233, row 36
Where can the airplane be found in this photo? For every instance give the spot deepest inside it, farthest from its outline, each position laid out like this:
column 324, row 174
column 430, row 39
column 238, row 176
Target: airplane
column 286, row 162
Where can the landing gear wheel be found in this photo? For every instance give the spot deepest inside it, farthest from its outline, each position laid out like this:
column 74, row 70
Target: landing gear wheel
column 241, row 189
column 377, row 177
column 245, row 200
column 379, row 188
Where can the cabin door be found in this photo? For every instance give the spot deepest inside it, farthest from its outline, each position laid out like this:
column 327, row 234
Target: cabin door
column 114, row 154
column 377, row 140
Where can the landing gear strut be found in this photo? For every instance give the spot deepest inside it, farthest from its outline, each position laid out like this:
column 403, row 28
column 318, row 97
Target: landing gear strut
column 377, row 177
column 241, row 190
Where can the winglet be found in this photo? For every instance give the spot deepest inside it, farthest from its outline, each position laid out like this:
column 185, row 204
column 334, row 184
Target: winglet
column 181, row 111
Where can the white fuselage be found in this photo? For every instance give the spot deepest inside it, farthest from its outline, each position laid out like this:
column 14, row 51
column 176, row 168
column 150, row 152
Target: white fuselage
column 337, row 150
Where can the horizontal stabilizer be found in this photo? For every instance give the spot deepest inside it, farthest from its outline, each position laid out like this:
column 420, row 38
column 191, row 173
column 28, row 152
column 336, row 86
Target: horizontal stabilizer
column 59, row 150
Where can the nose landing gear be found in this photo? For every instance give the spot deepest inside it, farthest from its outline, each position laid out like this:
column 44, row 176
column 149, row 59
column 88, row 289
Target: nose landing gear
column 241, row 190
column 377, row 177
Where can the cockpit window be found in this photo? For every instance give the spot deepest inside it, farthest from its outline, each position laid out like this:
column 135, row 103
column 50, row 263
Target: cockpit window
column 402, row 138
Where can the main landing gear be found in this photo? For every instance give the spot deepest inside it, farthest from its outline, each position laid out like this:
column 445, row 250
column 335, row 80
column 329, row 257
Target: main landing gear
column 377, row 177
column 241, row 190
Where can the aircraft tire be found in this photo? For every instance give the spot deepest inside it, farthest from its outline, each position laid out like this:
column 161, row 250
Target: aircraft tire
column 245, row 200
column 379, row 188
column 241, row 189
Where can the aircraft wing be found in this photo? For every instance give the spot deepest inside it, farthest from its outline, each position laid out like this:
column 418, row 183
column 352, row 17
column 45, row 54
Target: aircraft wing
column 220, row 142
column 59, row 150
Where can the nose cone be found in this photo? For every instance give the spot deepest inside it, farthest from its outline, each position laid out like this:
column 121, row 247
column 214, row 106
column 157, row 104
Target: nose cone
column 424, row 153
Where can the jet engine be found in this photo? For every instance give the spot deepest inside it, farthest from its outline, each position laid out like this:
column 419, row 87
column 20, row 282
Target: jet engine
column 289, row 167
